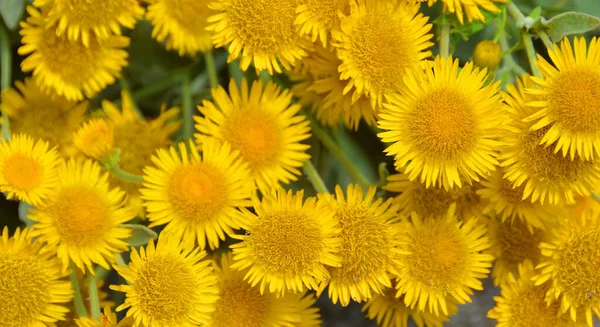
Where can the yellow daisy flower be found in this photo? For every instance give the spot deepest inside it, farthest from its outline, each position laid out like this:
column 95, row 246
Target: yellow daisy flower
column 70, row 69
column 469, row 7
column 87, row 19
column 288, row 243
column 182, row 24
column 523, row 304
column 444, row 124
column 570, row 269
column 263, row 125
column 390, row 311
column 258, row 31
column 378, row 43
column 197, row 196
column 445, row 262
column 370, row 241
column 512, row 243
column 95, row 139
column 168, row 285
column 31, row 283
column 107, row 319
column 27, row 169
column 47, row 117
column 317, row 18
column 547, row 176
column 81, row 219
column 506, row 201
column 568, row 98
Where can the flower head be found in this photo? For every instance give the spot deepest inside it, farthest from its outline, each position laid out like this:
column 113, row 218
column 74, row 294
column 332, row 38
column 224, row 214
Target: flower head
column 471, row 8
column 567, row 106
column 370, row 241
column 288, row 243
column 317, row 18
column 66, row 68
column 197, row 196
column 95, row 139
column 107, row 319
column 33, row 291
column 487, row 54
column 27, row 169
column 263, row 125
column 81, row 219
column 168, row 285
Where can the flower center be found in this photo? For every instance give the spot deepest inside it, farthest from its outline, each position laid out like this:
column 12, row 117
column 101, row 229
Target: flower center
column 516, row 243
column 531, row 309
column 198, row 192
column 574, row 100
column 23, row 172
column 326, row 11
column 90, row 14
column 189, row 15
column 239, row 299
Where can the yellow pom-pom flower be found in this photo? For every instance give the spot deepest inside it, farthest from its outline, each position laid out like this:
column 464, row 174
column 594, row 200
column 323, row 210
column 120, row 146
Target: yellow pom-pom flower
column 263, row 125
column 568, row 105
column 378, row 43
column 182, row 24
column 471, row 8
column 487, row 54
column 317, row 18
column 288, row 243
column 444, row 261
column 95, row 139
column 81, row 218
column 258, row 31
column 87, row 19
column 370, row 241
column 168, row 285
column 33, row 291
column 27, row 169
column 197, row 196
column 66, row 68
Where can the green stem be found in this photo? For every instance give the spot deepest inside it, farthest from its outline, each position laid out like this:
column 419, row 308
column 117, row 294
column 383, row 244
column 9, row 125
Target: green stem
column 125, row 87
column 502, row 24
column 508, row 58
column 94, row 300
column 314, row 177
column 125, row 175
column 209, row 60
column 445, row 40
column 188, row 111
column 547, row 42
column 77, row 299
column 530, row 53
column 119, row 260
column 6, row 72
column 514, row 11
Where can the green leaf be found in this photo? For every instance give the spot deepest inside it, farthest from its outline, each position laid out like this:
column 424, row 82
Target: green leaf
column 11, row 11
column 536, row 13
column 569, row 23
column 24, row 209
column 141, row 234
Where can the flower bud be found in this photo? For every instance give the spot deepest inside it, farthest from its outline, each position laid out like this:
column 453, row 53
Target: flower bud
column 94, row 139
column 487, row 54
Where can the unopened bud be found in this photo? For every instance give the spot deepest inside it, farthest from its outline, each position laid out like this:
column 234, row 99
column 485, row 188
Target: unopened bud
column 487, row 54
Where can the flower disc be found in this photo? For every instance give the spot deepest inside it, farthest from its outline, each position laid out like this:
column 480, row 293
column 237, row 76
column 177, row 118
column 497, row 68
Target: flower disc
column 95, row 139
column 318, row 17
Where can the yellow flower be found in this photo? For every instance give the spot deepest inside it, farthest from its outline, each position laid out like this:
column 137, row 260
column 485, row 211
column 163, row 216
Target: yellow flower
column 33, row 291
column 88, row 19
column 309, row 314
column 568, row 99
column 263, row 125
column 487, row 54
column 444, row 124
column 27, row 169
column 66, row 68
column 168, row 285
column 547, row 176
column 258, row 31
column 50, row 118
column 107, row 319
column 390, row 311
column 471, row 8
column 444, row 262
column 513, row 242
column 288, row 243
column 370, row 240
column 318, row 17
column 522, row 304
column 95, row 139
column 182, row 24
column 197, row 196
column 570, row 269
column 378, row 43
column 506, row 201
column 81, row 219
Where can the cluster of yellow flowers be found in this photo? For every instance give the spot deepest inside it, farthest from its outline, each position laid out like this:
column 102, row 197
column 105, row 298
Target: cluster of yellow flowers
column 483, row 177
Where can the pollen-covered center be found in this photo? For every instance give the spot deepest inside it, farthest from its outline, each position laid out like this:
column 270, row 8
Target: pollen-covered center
column 256, row 134
column 198, row 192
column 442, row 124
column 510, row 194
column 530, row 309
column 239, row 299
column 80, row 215
column 166, row 288
column 287, row 242
column 574, row 100
column 577, row 272
column 92, row 15
column 24, row 289
column 326, row 11
column 189, row 15
column 23, row 172
column 365, row 245
column 264, row 26
column 515, row 243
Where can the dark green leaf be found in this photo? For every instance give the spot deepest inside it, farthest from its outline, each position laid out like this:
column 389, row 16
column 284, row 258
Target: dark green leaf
column 11, row 11
column 569, row 23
